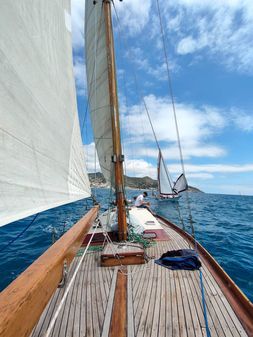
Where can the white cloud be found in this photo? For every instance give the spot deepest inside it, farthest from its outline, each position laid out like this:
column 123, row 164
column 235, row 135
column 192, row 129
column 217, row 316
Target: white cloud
column 157, row 70
column 172, row 152
column 197, row 126
column 212, row 168
column 140, row 168
column 200, row 4
column 243, row 121
column 187, row 45
column 133, row 14
column 91, row 158
column 203, row 176
column 77, row 19
column 222, row 28
column 134, row 167
column 80, row 76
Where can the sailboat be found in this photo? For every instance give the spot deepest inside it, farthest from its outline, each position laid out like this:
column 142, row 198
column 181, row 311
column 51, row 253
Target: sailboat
column 86, row 284
column 167, row 190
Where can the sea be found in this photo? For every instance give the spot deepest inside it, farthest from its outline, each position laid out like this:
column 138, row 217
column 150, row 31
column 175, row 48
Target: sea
column 223, row 224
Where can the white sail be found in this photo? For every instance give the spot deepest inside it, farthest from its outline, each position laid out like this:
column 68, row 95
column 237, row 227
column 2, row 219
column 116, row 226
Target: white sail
column 98, row 87
column 164, row 183
column 41, row 153
column 180, row 184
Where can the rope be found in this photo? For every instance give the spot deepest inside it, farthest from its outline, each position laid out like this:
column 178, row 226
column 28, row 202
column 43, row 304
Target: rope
column 202, row 290
column 51, row 325
column 95, row 86
column 134, row 237
column 141, row 98
column 20, row 234
column 174, row 114
column 204, row 303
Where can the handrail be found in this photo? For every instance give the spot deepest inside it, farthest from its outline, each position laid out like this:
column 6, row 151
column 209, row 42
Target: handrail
column 23, row 301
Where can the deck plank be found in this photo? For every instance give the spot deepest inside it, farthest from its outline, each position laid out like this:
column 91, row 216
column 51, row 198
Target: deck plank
column 141, row 314
column 108, row 313
column 156, row 304
column 160, row 303
column 237, row 329
column 89, row 303
column 69, row 310
column 130, row 309
column 78, row 306
column 83, row 303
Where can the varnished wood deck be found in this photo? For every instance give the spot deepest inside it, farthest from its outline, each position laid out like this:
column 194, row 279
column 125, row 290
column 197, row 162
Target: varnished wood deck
column 160, row 302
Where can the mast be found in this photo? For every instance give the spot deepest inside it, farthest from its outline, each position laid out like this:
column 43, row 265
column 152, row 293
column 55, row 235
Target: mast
column 117, row 157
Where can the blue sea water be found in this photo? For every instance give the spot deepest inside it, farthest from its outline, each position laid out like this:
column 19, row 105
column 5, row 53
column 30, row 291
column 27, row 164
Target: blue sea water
column 223, row 224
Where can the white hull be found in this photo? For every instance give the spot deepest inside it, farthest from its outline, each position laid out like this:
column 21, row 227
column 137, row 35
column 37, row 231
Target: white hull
column 169, row 198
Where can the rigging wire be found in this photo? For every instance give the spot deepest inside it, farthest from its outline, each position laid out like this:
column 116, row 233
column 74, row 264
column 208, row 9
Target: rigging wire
column 20, row 234
column 183, row 169
column 174, row 114
column 56, row 314
column 95, row 85
column 126, row 102
column 140, row 116
column 141, row 99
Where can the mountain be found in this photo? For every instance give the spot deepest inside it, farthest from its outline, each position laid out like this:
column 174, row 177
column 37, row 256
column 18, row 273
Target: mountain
column 98, row 180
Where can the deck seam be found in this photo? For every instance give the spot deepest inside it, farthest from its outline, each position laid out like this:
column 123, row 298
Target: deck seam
column 108, row 313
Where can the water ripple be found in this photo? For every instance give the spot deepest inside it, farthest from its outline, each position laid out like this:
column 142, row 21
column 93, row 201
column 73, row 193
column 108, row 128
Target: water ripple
column 223, row 224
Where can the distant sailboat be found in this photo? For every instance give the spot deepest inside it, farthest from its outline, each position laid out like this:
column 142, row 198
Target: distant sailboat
column 167, row 190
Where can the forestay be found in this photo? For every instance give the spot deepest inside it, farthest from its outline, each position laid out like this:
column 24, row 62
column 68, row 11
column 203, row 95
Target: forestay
column 98, row 84
column 41, row 152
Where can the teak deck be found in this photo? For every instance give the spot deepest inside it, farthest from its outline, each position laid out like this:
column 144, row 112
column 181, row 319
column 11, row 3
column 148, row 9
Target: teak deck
column 142, row 300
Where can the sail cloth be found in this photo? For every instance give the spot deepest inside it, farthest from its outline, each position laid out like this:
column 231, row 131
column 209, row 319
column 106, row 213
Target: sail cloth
column 180, row 184
column 98, row 84
column 165, row 185
column 41, row 152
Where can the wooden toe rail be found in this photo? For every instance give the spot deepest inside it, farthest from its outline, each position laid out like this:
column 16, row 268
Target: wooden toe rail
column 23, row 301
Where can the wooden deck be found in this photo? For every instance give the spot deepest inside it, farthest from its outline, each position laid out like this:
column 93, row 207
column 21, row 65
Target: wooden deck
column 159, row 302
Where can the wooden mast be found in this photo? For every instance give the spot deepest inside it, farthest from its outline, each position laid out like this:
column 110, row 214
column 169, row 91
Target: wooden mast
column 117, row 151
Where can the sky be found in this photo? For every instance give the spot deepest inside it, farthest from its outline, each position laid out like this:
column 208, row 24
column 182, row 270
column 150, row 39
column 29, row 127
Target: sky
column 210, row 53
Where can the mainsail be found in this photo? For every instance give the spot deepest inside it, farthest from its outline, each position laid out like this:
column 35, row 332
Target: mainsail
column 164, row 183
column 98, row 88
column 41, row 152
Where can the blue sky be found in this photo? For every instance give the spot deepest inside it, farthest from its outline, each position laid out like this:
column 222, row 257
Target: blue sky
column 210, row 52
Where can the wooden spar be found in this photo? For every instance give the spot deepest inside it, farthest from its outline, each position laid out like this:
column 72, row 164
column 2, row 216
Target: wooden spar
column 238, row 301
column 117, row 157
column 23, row 301
column 118, row 326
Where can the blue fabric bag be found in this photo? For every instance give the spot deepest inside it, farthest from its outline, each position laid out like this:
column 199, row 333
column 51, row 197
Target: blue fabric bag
column 185, row 259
